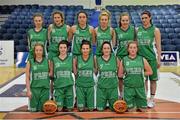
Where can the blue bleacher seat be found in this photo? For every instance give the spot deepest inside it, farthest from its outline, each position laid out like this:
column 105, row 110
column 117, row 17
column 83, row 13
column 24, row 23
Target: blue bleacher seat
column 165, row 41
column 169, row 48
column 18, row 36
column 178, row 48
column 172, row 35
column 3, row 30
column 7, row 36
column 177, row 30
column 169, row 30
column 11, row 30
column 21, row 48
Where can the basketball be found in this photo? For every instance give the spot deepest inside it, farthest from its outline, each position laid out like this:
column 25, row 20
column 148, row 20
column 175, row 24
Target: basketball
column 50, row 107
column 120, row 106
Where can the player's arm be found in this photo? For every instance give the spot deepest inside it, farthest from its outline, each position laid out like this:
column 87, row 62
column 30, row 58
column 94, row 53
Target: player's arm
column 28, row 80
column 75, row 66
column 71, row 33
column 148, row 71
column 158, row 45
column 68, row 29
column 120, row 77
column 93, row 35
column 95, row 65
column 113, row 37
column 49, row 32
column 51, row 75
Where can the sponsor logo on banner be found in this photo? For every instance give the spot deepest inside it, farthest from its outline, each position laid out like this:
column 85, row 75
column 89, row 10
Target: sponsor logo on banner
column 170, row 58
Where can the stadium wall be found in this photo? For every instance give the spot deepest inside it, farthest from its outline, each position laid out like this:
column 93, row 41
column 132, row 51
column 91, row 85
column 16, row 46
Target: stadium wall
column 89, row 3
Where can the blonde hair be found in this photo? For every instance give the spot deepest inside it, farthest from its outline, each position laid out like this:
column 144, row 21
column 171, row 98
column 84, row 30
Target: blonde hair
column 105, row 13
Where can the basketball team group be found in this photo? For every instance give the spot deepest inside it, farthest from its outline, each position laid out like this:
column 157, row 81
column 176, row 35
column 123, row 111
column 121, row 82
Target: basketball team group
column 64, row 65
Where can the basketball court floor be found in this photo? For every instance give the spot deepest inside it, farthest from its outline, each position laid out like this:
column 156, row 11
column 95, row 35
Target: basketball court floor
column 13, row 103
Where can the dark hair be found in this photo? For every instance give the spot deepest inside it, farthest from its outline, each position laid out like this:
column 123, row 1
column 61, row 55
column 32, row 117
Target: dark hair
column 85, row 42
column 38, row 44
column 60, row 13
column 106, row 42
column 147, row 13
column 64, row 42
column 80, row 13
column 121, row 15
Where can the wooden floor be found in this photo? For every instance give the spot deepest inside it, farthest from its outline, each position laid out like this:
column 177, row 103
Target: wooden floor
column 163, row 110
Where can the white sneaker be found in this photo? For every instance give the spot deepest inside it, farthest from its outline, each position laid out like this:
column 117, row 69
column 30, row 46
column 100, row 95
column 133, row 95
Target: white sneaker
column 151, row 103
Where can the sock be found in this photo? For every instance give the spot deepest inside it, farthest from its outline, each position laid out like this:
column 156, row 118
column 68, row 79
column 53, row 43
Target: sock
column 152, row 96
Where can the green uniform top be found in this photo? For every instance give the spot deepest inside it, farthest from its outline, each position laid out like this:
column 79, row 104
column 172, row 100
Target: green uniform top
column 102, row 35
column 62, row 72
column 57, row 34
column 39, row 73
column 134, row 71
column 123, row 38
column 107, row 72
column 37, row 37
column 85, row 72
column 146, row 44
column 79, row 35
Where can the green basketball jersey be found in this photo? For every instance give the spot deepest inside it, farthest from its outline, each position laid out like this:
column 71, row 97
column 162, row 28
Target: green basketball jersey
column 62, row 72
column 85, row 72
column 57, row 34
column 146, row 42
column 79, row 35
column 37, row 37
column 123, row 38
column 107, row 72
column 39, row 73
column 102, row 35
column 134, row 71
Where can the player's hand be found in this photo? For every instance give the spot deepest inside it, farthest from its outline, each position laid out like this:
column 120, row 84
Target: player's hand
column 29, row 94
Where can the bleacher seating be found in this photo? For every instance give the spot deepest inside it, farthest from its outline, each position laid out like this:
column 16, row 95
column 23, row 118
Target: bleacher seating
column 165, row 17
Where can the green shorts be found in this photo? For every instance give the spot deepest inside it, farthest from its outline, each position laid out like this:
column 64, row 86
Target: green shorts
column 153, row 64
column 39, row 97
column 105, row 95
column 64, row 97
column 85, row 97
column 135, row 97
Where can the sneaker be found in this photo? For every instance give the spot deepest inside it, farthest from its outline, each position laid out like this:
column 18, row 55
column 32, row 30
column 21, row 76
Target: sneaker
column 151, row 103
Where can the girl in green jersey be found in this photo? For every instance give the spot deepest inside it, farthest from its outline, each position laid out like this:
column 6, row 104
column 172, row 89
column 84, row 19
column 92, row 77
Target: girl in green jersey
column 37, row 79
column 132, row 70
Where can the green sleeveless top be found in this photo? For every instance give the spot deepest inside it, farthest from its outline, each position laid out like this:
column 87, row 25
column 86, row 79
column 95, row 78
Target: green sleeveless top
column 57, row 34
column 134, row 71
column 39, row 72
column 107, row 72
column 123, row 38
column 62, row 71
column 85, row 72
column 79, row 35
column 37, row 37
column 146, row 42
column 102, row 35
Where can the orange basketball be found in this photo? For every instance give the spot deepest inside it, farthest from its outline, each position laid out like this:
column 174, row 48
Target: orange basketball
column 50, row 107
column 120, row 106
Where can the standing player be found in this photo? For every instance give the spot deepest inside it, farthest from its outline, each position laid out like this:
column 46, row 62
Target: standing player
column 132, row 70
column 149, row 37
column 63, row 81
column 107, row 85
column 57, row 32
column 37, row 34
column 81, row 31
column 125, row 33
column 37, row 79
column 104, row 32
column 84, row 69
